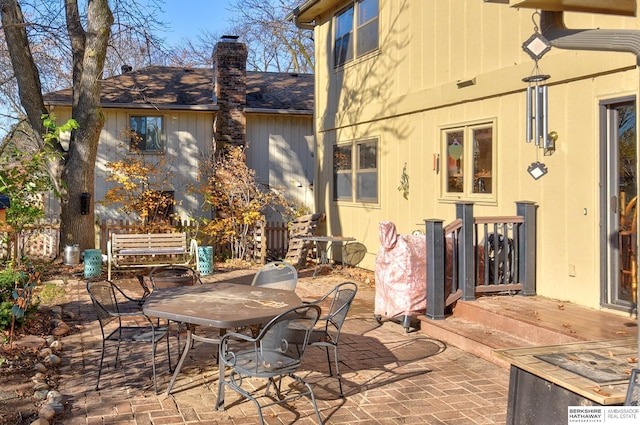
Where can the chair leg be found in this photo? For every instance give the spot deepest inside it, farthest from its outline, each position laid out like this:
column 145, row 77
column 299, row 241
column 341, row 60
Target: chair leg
column 100, row 368
column 329, row 360
column 338, row 375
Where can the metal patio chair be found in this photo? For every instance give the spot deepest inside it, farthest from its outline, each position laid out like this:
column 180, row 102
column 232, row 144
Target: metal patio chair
column 277, row 274
column 122, row 320
column 328, row 334
column 271, row 356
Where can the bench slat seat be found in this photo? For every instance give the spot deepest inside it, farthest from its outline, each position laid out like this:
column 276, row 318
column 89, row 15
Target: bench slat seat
column 150, row 250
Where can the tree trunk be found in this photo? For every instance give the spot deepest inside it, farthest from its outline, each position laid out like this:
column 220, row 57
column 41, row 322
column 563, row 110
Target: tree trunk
column 89, row 51
column 75, row 174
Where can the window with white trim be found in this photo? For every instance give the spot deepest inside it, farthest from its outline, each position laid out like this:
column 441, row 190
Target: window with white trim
column 355, row 171
column 469, row 152
column 362, row 16
column 147, row 134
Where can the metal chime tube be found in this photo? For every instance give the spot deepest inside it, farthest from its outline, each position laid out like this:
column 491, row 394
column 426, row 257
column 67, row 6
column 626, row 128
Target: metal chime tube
column 537, row 112
column 545, row 122
column 529, row 117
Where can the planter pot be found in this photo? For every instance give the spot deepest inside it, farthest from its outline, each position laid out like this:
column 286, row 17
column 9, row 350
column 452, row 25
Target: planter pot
column 205, row 260
column 92, row 263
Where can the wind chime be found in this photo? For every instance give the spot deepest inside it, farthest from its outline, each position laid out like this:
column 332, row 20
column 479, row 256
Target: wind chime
column 537, row 102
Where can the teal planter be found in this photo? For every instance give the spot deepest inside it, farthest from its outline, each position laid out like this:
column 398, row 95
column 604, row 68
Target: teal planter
column 92, row 263
column 205, row 260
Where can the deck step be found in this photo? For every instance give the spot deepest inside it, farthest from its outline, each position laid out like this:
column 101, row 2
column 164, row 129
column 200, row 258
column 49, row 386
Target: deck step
column 473, row 337
column 524, row 326
column 480, row 327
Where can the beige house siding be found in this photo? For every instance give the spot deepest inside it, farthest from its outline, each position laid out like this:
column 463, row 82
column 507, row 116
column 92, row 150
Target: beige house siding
column 187, row 136
column 280, row 150
column 406, row 93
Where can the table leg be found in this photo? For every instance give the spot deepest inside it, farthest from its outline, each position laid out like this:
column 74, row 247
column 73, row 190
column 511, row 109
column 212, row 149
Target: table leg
column 322, row 257
column 220, row 398
column 185, row 352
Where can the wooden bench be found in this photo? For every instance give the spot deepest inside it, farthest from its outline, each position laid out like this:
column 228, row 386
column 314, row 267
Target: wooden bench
column 150, row 250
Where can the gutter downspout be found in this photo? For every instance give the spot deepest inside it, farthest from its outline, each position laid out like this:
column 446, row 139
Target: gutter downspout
column 553, row 29
column 628, row 41
column 295, row 15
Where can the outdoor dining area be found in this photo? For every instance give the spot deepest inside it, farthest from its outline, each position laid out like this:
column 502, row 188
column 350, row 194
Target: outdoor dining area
column 259, row 330
column 373, row 373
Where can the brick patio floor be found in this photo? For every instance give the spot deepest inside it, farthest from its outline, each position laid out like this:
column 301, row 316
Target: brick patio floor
column 389, row 376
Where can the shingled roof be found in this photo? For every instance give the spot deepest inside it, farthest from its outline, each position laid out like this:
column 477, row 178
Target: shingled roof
column 165, row 87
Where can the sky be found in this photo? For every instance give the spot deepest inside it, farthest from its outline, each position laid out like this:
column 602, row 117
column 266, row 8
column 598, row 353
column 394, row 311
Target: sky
column 188, row 18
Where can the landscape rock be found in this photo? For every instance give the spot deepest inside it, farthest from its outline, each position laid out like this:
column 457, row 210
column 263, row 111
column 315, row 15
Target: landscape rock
column 40, row 421
column 39, row 377
column 53, row 360
column 39, row 367
column 40, row 394
column 61, row 329
column 54, row 397
column 41, row 386
column 56, row 346
column 47, row 412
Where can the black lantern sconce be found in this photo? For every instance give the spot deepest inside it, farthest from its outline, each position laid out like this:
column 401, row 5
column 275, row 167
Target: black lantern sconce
column 85, row 203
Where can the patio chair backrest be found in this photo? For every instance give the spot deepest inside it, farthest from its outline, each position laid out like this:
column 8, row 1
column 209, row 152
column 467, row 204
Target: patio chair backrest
column 273, row 353
column 278, row 275
column 344, row 294
column 104, row 301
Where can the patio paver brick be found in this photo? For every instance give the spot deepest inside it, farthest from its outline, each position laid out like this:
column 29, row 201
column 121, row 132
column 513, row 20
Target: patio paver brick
column 389, row 377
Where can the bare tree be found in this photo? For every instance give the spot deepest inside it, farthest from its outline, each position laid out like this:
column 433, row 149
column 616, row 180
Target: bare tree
column 80, row 39
column 274, row 43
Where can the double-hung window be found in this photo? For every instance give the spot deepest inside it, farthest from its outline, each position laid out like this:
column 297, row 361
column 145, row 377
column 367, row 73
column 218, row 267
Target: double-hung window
column 146, row 134
column 356, row 31
column 355, row 171
column 469, row 152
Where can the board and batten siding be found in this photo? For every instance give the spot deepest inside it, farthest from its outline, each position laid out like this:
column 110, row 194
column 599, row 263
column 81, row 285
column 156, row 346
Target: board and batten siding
column 406, row 93
column 281, row 151
column 187, row 137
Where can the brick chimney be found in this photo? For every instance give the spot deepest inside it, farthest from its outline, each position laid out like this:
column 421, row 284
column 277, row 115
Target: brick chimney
column 230, row 91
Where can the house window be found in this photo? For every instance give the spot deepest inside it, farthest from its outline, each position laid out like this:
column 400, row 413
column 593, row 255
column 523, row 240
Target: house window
column 146, row 134
column 469, row 153
column 355, row 171
column 363, row 16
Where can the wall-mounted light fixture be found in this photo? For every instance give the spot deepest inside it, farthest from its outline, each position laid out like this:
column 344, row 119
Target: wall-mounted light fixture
column 537, row 169
column 549, row 144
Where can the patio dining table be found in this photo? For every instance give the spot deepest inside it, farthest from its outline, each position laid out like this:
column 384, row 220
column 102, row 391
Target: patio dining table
column 217, row 305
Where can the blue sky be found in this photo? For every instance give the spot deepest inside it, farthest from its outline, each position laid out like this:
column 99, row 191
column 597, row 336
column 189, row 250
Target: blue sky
column 188, row 18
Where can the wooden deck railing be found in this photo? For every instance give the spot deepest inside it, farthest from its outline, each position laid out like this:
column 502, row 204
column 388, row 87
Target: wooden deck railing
column 480, row 255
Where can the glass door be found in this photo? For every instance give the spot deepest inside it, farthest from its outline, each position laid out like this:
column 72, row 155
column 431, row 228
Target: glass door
column 618, row 119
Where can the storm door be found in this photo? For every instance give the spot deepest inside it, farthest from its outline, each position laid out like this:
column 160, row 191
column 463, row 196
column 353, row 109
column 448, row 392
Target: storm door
column 620, row 195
